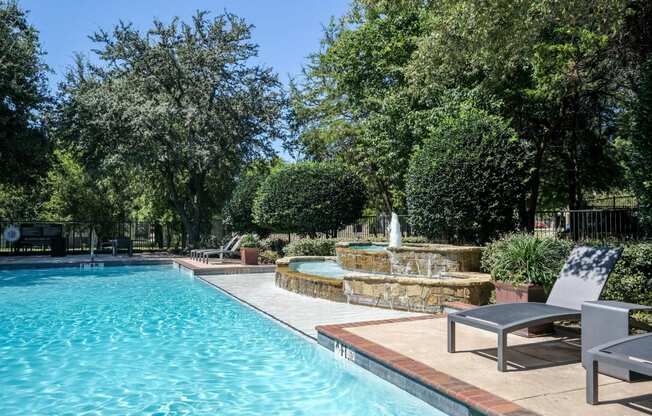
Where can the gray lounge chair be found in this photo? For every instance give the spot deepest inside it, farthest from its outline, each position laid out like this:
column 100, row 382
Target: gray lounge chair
column 632, row 353
column 197, row 253
column 582, row 279
column 232, row 251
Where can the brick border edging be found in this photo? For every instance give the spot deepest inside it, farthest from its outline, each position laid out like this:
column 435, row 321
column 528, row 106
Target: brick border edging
column 465, row 393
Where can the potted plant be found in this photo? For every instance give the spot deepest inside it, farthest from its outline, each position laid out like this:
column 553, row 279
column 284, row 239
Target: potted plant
column 524, row 268
column 249, row 249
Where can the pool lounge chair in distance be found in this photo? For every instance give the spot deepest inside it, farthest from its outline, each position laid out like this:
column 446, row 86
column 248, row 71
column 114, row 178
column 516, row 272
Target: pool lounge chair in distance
column 581, row 279
column 197, row 253
column 632, row 353
column 234, row 250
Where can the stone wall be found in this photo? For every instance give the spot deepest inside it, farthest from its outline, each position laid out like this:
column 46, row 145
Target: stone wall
column 428, row 260
column 418, row 294
column 307, row 284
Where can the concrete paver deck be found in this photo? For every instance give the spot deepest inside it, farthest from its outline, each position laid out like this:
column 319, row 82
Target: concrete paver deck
column 545, row 374
column 303, row 313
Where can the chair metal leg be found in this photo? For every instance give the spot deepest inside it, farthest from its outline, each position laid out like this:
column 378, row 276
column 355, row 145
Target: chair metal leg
column 502, row 346
column 451, row 335
column 592, row 382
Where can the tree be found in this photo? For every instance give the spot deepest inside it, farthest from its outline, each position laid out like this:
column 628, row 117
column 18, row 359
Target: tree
column 465, row 182
column 353, row 106
column 557, row 69
column 101, row 197
column 640, row 155
column 238, row 213
column 182, row 103
column 24, row 146
column 309, row 198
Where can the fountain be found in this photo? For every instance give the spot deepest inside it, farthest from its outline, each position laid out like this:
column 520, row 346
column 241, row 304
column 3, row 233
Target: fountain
column 414, row 277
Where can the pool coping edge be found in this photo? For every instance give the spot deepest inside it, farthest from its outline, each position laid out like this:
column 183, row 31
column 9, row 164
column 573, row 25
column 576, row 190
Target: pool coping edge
column 436, row 388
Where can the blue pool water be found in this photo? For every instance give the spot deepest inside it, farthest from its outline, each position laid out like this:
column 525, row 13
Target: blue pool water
column 154, row 341
column 318, row 268
column 368, row 247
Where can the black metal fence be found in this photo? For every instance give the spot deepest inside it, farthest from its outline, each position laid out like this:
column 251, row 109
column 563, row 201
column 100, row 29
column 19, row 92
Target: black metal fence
column 591, row 224
column 368, row 227
column 620, row 224
column 577, row 225
column 613, row 202
column 77, row 236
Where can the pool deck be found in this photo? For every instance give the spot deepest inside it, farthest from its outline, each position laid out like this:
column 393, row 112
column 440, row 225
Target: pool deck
column 545, row 375
column 302, row 313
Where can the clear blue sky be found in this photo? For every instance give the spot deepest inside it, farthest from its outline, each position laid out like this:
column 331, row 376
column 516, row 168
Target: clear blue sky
column 286, row 30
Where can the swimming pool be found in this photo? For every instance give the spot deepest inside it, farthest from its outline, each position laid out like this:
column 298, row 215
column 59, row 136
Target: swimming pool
column 151, row 340
column 318, row 268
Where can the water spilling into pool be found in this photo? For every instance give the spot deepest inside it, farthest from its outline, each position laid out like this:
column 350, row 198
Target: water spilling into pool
column 152, row 341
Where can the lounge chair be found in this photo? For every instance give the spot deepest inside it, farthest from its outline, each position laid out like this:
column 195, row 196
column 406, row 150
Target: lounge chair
column 120, row 243
column 232, row 251
column 581, row 279
column 197, row 253
column 632, row 353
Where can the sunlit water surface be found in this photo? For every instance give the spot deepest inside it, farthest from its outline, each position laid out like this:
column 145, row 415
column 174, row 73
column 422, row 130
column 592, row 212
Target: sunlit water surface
column 153, row 341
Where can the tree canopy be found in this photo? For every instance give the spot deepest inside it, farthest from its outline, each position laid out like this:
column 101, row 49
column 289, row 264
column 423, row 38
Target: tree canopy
column 561, row 73
column 182, row 103
column 24, row 145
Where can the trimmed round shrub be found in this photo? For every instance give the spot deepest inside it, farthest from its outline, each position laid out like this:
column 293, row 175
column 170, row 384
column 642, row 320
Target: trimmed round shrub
column 311, row 247
column 631, row 278
column 309, row 198
column 466, row 180
column 238, row 210
column 523, row 258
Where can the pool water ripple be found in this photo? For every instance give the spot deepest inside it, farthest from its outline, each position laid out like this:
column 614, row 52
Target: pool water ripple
column 153, row 341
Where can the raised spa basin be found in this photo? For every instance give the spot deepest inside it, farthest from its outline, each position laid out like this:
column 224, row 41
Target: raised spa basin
column 325, row 268
column 419, row 260
column 369, row 247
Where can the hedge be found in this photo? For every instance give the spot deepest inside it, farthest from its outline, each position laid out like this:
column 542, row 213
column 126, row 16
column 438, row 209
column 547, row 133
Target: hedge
column 311, row 247
column 465, row 182
column 309, row 198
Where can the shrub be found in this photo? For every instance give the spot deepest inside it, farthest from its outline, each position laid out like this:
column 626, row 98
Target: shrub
column 308, row 198
column 238, row 209
column 522, row 258
column 268, row 257
column 273, row 244
column 631, row 279
column 250, row 241
column 311, row 247
column 466, row 180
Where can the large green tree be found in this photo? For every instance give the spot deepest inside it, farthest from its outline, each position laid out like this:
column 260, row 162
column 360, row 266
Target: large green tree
column 640, row 151
column 557, row 69
column 183, row 103
column 24, row 146
column 353, row 104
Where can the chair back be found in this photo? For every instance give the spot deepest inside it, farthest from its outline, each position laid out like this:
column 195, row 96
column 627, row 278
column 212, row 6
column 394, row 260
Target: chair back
column 236, row 246
column 583, row 276
column 231, row 242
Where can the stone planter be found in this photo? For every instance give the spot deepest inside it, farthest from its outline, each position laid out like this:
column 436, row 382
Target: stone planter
column 508, row 293
column 249, row 256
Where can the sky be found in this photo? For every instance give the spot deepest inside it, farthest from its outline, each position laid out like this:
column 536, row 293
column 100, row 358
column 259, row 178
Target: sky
column 287, row 31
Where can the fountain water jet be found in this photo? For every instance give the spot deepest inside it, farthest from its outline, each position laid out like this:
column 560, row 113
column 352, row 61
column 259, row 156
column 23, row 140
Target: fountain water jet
column 394, row 231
